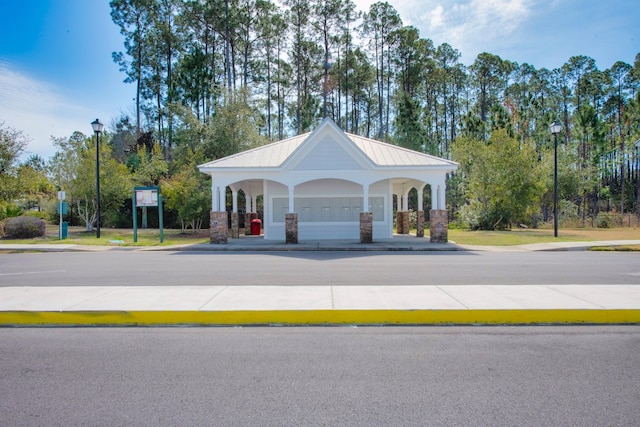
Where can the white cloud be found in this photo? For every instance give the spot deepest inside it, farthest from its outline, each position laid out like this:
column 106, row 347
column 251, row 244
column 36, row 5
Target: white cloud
column 471, row 26
column 39, row 110
column 436, row 18
column 474, row 26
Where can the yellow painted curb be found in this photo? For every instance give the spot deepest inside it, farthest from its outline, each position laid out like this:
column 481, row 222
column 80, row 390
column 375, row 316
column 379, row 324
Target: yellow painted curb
column 316, row 317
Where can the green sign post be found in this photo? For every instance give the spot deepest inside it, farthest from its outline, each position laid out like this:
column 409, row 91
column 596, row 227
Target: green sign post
column 63, row 229
column 146, row 197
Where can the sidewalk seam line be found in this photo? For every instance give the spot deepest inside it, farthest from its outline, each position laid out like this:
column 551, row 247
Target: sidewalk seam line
column 212, row 298
column 110, row 290
column 453, row 298
column 578, row 298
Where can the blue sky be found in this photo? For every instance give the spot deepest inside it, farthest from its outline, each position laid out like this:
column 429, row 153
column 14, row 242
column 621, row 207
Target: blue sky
column 57, row 75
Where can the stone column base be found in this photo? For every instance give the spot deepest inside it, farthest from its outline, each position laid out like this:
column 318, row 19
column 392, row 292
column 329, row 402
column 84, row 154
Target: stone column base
column 420, row 224
column 402, row 222
column 247, row 224
column 235, row 225
column 439, row 226
column 291, row 228
column 218, row 228
column 366, row 227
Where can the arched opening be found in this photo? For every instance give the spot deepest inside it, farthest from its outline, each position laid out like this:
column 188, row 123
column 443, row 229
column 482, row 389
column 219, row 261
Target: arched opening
column 326, row 208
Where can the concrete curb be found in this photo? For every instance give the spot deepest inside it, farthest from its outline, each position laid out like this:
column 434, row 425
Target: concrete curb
column 317, row 317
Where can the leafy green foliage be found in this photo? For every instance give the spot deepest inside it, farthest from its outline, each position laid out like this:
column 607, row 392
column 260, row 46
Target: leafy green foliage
column 12, row 144
column 410, row 125
column 188, row 193
column 10, row 211
column 148, row 167
column 74, row 169
column 234, row 128
column 505, row 180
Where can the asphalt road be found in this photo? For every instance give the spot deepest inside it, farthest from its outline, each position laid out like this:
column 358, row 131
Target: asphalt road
column 139, row 268
column 480, row 376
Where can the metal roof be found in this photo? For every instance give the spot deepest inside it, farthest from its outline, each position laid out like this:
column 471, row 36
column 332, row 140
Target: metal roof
column 275, row 154
column 384, row 154
column 267, row 156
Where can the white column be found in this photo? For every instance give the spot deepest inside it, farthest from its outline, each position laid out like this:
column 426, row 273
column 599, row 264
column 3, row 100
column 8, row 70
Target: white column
column 234, row 200
column 291, row 199
column 254, row 200
column 434, row 196
column 420, row 197
column 214, row 197
column 247, row 202
column 405, row 201
column 267, row 214
column 365, row 198
column 222, row 198
column 389, row 210
column 438, row 195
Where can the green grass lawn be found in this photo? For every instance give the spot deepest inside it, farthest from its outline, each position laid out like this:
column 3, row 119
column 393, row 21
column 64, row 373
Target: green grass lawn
column 151, row 237
column 529, row 236
column 117, row 237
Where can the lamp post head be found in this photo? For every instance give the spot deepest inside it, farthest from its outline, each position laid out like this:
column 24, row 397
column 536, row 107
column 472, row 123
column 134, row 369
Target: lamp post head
column 555, row 127
column 97, row 126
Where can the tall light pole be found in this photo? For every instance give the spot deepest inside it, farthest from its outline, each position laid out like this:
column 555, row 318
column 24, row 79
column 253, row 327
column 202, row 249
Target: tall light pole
column 97, row 128
column 555, row 129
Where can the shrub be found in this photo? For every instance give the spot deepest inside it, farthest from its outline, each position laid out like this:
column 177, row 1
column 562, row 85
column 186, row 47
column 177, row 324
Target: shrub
column 10, row 211
column 604, row 220
column 24, row 227
column 1, row 229
column 469, row 215
column 37, row 214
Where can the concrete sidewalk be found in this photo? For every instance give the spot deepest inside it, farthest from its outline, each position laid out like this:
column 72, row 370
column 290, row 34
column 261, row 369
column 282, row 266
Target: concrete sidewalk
column 319, row 305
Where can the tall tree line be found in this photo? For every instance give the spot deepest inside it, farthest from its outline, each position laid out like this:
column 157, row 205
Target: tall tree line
column 284, row 66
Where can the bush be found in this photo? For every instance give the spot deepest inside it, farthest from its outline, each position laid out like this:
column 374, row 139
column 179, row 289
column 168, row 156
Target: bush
column 24, row 227
column 10, row 211
column 1, row 229
column 604, row 220
column 469, row 215
column 37, row 214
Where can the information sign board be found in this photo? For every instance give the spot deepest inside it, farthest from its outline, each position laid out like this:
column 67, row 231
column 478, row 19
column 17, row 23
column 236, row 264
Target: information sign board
column 146, row 197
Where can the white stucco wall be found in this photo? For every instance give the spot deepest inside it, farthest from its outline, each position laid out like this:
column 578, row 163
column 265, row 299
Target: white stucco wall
column 338, row 201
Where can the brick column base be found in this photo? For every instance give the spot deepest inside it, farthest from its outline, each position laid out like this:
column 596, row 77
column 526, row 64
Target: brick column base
column 235, row 225
column 420, row 224
column 366, row 227
column 402, row 222
column 247, row 224
column 218, row 228
column 439, row 226
column 291, row 227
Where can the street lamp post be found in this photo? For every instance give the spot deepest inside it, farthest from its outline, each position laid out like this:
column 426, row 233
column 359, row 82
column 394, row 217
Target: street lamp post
column 555, row 129
column 97, row 128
